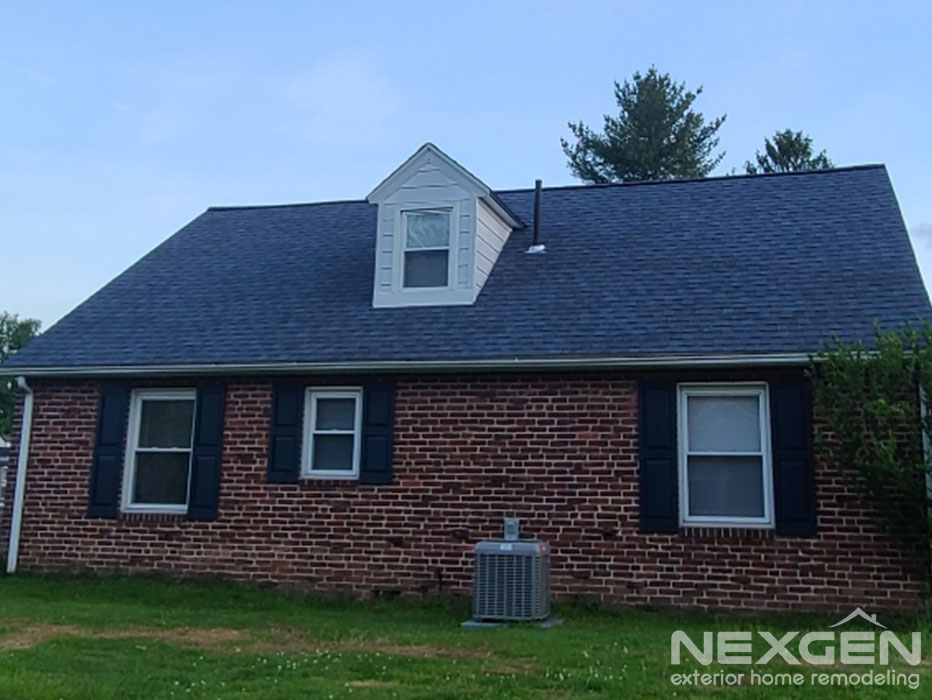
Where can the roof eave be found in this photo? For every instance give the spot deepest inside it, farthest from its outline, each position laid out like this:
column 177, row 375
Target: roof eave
column 400, row 366
column 503, row 212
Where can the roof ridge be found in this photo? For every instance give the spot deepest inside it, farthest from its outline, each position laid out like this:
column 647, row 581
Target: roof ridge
column 742, row 176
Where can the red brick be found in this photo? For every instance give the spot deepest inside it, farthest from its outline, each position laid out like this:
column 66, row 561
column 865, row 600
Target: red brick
column 560, row 451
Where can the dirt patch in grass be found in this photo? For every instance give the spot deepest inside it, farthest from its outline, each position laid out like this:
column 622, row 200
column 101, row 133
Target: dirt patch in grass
column 197, row 637
column 275, row 640
column 287, row 640
column 30, row 635
column 369, row 683
column 414, row 651
column 513, row 668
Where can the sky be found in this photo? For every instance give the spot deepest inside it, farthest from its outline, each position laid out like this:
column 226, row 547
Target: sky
column 121, row 122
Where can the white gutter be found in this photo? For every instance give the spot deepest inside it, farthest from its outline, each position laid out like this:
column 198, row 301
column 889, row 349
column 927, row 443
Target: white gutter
column 21, row 461
column 517, row 363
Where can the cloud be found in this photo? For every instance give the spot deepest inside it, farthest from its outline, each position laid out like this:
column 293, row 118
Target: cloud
column 342, row 99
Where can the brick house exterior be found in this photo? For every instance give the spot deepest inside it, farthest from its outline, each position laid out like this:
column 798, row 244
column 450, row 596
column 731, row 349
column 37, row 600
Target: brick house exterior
column 560, row 451
column 256, row 400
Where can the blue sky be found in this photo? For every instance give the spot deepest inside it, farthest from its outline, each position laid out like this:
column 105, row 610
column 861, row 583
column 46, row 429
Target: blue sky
column 121, row 122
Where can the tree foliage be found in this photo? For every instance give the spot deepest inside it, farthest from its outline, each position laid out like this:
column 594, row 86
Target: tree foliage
column 790, row 151
column 14, row 334
column 656, row 136
column 871, row 425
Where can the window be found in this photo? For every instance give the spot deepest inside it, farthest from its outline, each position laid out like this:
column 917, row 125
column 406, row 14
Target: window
column 725, row 473
column 159, row 446
column 427, row 248
column 333, row 418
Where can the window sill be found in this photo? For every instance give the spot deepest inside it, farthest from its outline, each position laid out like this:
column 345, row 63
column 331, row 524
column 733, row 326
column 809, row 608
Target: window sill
column 320, row 483
column 732, row 531
column 736, row 524
column 152, row 516
column 156, row 509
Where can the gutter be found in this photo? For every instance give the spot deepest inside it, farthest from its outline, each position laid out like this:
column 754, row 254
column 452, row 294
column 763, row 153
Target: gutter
column 365, row 367
column 22, row 459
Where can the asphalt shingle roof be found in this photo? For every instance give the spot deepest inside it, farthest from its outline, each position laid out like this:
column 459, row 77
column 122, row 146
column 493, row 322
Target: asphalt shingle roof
column 764, row 264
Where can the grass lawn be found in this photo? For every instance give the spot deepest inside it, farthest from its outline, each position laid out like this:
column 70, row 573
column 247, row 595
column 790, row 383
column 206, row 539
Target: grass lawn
column 98, row 638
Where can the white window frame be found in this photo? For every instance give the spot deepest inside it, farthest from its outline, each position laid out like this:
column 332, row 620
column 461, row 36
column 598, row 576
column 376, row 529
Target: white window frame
column 132, row 447
column 310, row 421
column 450, row 248
column 761, row 391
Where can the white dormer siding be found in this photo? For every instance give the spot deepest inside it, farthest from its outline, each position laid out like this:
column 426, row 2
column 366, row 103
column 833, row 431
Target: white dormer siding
column 439, row 233
column 491, row 234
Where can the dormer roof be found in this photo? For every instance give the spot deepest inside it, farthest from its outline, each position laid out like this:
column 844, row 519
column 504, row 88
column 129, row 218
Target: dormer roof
column 429, row 153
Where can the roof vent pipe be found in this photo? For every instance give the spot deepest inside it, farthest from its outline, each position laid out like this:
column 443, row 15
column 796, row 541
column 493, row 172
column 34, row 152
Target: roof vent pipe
column 536, row 245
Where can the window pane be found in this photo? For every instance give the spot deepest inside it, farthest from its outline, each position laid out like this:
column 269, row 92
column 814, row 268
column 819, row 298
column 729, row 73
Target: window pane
column 336, row 414
column 730, row 486
column 723, row 423
column 161, row 477
column 333, row 453
column 166, row 423
column 428, row 229
column 426, row 268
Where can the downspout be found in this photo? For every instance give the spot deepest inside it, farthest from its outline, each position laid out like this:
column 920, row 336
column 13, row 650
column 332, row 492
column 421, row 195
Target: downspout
column 22, row 459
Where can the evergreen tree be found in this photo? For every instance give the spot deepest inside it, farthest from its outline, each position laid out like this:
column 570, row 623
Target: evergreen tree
column 789, row 151
column 656, row 135
column 14, row 334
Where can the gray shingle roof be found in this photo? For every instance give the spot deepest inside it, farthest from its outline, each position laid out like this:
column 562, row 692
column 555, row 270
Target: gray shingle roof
column 764, row 264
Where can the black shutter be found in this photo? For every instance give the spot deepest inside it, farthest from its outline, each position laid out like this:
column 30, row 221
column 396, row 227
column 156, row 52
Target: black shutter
column 658, row 492
column 204, row 489
column 285, row 433
column 793, row 477
column 109, row 445
column 378, row 421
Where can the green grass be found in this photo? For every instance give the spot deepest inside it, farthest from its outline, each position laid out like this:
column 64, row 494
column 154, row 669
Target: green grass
column 84, row 637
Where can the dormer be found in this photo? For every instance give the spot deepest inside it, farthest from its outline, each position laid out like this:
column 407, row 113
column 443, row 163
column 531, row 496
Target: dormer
column 440, row 231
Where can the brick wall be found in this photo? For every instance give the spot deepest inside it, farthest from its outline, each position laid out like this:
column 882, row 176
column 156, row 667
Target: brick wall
column 558, row 451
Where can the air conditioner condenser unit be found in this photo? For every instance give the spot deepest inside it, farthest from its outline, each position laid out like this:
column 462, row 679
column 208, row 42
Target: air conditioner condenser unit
column 511, row 580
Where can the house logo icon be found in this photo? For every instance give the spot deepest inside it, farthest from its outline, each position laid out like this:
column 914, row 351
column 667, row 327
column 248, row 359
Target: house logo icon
column 858, row 613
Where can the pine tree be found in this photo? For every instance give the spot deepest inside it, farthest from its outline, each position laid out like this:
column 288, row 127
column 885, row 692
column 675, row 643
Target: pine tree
column 656, row 135
column 789, row 151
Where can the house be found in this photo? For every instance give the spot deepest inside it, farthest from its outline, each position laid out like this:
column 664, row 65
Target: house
column 346, row 396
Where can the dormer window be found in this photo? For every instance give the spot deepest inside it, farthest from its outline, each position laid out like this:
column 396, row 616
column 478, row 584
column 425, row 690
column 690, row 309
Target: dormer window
column 439, row 232
column 427, row 248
